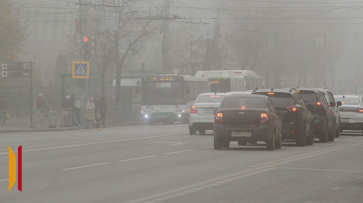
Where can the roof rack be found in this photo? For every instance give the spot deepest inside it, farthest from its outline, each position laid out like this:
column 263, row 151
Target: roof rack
column 254, row 90
column 291, row 89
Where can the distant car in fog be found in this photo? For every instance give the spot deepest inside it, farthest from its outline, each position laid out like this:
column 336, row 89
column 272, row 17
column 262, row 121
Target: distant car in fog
column 351, row 112
column 247, row 118
column 201, row 115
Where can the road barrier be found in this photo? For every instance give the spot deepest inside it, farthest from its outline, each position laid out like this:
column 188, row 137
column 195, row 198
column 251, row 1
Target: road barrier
column 36, row 119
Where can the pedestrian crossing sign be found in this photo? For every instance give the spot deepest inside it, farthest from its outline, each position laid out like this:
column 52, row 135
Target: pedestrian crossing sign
column 80, row 69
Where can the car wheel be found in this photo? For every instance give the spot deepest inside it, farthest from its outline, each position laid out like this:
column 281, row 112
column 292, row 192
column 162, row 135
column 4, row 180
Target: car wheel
column 202, row 132
column 185, row 121
column 310, row 139
column 192, row 131
column 331, row 136
column 225, row 144
column 242, row 142
column 337, row 134
column 171, row 122
column 278, row 143
column 271, row 143
column 324, row 135
column 217, row 143
column 165, row 122
column 252, row 142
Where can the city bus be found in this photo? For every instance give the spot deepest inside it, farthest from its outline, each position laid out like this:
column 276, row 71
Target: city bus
column 167, row 99
column 223, row 81
column 252, row 79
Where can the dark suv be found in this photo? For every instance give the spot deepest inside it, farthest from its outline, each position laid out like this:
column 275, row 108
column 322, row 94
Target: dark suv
column 323, row 110
column 297, row 120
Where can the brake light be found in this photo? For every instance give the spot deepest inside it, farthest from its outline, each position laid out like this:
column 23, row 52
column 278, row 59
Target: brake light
column 317, row 103
column 271, row 93
column 243, row 107
column 294, row 109
column 361, row 111
column 193, row 109
column 264, row 118
column 219, row 118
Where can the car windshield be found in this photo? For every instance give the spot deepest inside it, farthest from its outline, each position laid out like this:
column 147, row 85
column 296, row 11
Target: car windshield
column 309, row 96
column 162, row 93
column 348, row 100
column 210, row 99
column 243, row 103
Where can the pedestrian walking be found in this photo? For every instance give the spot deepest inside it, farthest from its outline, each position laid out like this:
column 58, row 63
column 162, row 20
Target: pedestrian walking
column 39, row 102
column 96, row 102
column 90, row 113
column 103, row 111
column 3, row 110
column 73, row 106
column 46, row 108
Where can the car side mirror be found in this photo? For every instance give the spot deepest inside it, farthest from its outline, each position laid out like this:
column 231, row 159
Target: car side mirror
column 339, row 103
column 332, row 104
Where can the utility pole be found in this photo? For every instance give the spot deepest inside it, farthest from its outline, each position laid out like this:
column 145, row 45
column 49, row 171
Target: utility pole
column 217, row 36
column 166, row 39
column 83, row 11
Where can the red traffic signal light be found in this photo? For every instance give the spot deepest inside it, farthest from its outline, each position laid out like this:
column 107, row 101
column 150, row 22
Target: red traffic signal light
column 85, row 39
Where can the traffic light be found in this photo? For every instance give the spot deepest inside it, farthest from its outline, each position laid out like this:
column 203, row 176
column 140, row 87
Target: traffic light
column 86, row 48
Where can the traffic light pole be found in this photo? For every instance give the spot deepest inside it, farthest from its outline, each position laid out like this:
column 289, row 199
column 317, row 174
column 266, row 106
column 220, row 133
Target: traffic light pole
column 31, row 94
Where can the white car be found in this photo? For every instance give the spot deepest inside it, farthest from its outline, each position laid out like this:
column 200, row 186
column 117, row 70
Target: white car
column 201, row 117
column 351, row 112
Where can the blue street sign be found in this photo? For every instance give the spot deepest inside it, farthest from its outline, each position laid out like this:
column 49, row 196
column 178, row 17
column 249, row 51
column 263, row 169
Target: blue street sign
column 80, row 69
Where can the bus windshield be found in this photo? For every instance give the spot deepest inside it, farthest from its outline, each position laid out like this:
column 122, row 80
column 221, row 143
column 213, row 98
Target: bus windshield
column 162, row 93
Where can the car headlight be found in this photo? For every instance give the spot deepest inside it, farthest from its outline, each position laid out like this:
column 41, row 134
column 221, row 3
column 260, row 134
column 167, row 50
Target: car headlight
column 183, row 111
column 142, row 112
column 179, row 115
column 146, row 116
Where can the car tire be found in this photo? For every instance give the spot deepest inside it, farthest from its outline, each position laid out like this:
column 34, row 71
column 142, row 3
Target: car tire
column 252, row 142
column 310, row 139
column 278, row 142
column 242, row 142
column 302, row 140
column 192, row 131
column 165, row 122
column 337, row 134
column 201, row 132
column 171, row 122
column 324, row 136
column 217, row 143
column 225, row 144
column 331, row 136
column 271, row 143
column 185, row 122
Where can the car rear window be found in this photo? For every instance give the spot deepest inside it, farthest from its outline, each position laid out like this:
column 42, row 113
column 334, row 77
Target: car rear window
column 243, row 103
column 280, row 99
column 347, row 100
column 210, row 99
column 309, row 96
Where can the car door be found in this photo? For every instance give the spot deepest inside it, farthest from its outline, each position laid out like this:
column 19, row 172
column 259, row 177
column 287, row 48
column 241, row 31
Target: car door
column 275, row 117
column 308, row 114
column 335, row 110
column 330, row 112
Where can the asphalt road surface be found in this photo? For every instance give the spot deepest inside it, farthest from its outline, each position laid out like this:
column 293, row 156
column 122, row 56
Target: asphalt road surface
column 163, row 163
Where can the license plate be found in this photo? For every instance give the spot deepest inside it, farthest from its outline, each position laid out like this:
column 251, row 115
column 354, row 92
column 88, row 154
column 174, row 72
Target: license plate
column 241, row 134
column 208, row 110
column 162, row 116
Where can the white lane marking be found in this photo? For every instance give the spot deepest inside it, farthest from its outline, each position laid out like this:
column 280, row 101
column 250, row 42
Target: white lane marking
column 189, row 150
column 208, row 147
column 95, row 143
column 3, row 180
column 223, row 179
column 145, row 157
column 67, row 169
column 317, row 169
column 199, row 186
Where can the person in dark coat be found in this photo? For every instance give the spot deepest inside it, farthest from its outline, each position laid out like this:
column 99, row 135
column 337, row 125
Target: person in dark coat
column 96, row 102
column 103, row 110
column 3, row 110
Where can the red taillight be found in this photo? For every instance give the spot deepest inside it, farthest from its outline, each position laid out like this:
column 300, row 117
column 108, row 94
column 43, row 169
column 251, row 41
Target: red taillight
column 264, row 118
column 317, row 103
column 361, row 111
column 294, row 109
column 193, row 109
column 243, row 107
column 219, row 118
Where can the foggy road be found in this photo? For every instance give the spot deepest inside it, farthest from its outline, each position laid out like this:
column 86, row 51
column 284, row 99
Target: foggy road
column 163, row 163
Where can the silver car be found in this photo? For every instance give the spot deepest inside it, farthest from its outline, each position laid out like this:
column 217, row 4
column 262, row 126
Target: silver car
column 351, row 112
column 201, row 115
